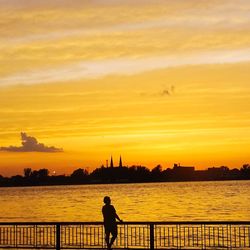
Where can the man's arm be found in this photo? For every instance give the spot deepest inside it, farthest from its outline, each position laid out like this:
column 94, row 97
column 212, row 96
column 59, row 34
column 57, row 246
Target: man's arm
column 117, row 217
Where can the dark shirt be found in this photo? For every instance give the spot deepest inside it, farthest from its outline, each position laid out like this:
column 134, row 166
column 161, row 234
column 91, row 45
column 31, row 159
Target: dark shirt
column 109, row 215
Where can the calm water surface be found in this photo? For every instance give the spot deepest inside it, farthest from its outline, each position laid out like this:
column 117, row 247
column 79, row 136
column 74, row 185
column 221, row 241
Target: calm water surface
column 228, row 200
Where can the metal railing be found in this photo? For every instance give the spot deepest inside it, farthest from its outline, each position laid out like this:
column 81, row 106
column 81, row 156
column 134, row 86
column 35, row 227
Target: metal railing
column 131, row 235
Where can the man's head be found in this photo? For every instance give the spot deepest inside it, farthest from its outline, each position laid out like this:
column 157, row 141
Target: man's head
column 107, row 200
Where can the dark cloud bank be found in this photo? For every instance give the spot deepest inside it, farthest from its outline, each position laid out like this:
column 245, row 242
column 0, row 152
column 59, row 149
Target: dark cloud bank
column 30, row 144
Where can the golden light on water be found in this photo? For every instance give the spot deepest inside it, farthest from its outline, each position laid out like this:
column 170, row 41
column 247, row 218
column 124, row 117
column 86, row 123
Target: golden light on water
column 155, row 81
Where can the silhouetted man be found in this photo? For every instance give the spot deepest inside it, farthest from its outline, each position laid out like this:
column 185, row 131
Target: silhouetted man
column 109, row 217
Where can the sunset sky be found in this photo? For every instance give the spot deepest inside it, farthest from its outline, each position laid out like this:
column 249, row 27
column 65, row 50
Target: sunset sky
column 156, row 81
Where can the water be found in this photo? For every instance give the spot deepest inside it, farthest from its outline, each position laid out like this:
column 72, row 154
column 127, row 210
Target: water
column 182, row 201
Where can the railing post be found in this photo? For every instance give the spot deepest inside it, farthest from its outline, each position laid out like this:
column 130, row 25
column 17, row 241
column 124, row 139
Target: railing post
column 58, row 237
column 152, row 236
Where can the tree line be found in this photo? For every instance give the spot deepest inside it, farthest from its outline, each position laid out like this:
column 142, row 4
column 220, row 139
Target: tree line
column 132, row 174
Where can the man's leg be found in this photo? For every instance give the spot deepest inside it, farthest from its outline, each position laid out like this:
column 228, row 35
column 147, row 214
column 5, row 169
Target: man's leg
column 107, row 233
column 114, row 236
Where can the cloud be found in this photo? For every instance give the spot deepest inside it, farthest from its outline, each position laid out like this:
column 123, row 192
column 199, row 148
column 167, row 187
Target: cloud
column 226, row 15
column 227, row 21
column 168, row 91
column 30, row 144
column 165, row 92
column 94, row 69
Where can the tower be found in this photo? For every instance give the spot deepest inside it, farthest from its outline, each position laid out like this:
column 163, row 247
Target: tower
column 111, row 162
column 120, row 162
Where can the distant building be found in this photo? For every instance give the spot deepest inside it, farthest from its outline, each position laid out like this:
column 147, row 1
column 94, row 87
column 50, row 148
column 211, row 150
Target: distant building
column 111, row 162
column 183, row 172
column 111, row 165
column 218, row 169
column 217, row 173
column 120, row 162
column 179, row 168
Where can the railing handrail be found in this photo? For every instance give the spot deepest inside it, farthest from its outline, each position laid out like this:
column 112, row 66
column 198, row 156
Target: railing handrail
column 129, row 223
column 149, row 235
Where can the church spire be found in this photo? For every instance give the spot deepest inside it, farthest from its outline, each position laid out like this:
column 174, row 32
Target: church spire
column 111, row 162
column 120, row 162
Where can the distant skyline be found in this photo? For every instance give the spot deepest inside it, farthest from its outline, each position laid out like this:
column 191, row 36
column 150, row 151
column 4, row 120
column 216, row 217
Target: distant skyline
column 155, row 81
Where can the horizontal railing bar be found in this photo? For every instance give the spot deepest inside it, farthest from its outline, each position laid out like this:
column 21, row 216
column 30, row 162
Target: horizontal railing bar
column 143, row 234
column 132, row 223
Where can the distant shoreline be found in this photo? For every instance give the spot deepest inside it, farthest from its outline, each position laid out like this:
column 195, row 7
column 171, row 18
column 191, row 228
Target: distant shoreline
column 133, row 174
column 114, row 183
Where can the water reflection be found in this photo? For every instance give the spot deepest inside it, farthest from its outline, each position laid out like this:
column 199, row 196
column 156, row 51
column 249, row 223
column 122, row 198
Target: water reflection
column 134, row 202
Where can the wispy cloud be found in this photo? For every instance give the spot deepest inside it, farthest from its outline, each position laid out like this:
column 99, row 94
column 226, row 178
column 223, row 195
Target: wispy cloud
column 124, row 66
column 168, row 91
column 30, row 144
column 192, row 16
column 236, row 19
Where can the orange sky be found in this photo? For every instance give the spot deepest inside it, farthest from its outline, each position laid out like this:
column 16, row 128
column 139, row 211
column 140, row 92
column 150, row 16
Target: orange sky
column 155, row 81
